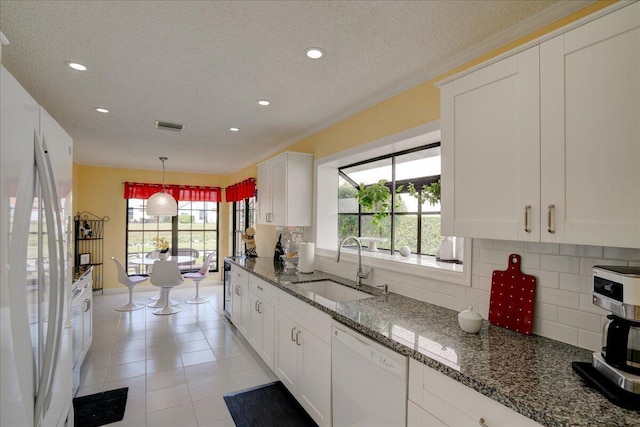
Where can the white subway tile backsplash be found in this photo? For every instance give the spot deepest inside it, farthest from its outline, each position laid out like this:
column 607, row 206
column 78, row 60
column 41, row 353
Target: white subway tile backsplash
column 563, row 311
column 589, row 340
column 586, row 264
column 390, row 275
column 478, row 295
column 443, row 300
column 493, row 256
column 461, row 305
column 508, row 245
column 556, row 331
column 482, row 268
column 483, row 243
column 579, row 319
column 561, row 264
column 581, row 251
column 546, row 311
column 586, row 285
column 558, row 297
column 628, row 254
column 530, row 260
column 548, row 279
column 424, row 295
column 570, row 282
column 542, row 248
column 484, row 283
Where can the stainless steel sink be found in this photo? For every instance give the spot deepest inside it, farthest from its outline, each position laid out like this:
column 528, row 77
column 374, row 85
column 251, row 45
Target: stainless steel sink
column 327, row 292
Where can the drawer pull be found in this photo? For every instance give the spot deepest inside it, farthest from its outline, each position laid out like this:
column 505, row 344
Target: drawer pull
column 482, row 423
column 527, row 209
column 550, row 209
column 261, row 288
column 293, row 331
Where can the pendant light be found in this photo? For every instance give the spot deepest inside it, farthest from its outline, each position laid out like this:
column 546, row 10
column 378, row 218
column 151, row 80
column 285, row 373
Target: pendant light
column 161, row 203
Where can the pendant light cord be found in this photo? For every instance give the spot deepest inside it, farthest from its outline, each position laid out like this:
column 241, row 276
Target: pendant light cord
column 163, row 160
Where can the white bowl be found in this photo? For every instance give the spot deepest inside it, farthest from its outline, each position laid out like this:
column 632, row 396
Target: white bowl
column 470, row 321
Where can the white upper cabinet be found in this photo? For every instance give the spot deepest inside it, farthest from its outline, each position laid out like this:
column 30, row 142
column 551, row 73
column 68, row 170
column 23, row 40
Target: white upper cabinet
column 544, row 145
column 590, row 111
column 285, row 189
column 490, row 150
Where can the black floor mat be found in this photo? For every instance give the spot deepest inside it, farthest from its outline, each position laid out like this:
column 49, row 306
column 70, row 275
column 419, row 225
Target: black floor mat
column 269, row 405
column 101, row 408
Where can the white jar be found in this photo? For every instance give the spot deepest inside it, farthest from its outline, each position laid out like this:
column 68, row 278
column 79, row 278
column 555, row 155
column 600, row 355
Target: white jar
column 470, row 321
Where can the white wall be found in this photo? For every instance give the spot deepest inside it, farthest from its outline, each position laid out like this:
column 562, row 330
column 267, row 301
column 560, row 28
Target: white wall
column 563, row 309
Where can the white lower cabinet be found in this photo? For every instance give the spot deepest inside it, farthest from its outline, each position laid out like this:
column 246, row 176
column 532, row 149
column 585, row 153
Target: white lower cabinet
column 240, row 302
column 296, row 345
column 262, row 333
column 303, row 363
column 437, row 400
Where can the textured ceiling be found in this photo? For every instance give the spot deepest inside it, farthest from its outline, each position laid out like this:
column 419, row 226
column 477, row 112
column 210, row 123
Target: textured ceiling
column 206, row 63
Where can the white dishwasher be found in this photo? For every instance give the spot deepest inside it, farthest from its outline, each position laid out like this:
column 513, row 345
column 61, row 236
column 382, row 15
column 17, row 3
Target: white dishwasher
column 369, row 381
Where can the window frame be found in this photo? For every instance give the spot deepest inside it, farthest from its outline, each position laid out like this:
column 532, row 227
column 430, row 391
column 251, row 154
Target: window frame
column 246, row 206
column 391, row 185
column 326, row 223
column 214, row 266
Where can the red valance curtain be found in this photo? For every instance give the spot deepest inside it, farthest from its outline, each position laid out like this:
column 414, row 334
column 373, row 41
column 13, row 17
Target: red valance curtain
column 185, row 193
column 241, row 190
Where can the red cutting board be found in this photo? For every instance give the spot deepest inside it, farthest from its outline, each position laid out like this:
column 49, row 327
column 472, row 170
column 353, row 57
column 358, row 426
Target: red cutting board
column 512, row 298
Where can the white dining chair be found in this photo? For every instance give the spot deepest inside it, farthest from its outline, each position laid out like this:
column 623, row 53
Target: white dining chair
column 130, row 282
column 197, row 277
column 166, row 275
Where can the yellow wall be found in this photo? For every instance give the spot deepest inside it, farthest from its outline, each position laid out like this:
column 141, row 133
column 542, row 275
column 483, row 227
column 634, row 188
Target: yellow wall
column 416, row 106
column 100, row 191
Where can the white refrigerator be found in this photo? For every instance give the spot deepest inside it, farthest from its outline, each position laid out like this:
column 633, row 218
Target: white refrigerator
column 35, row 271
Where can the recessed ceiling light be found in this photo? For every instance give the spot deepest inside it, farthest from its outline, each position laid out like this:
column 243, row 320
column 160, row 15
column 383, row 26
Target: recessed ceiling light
column 234, row 129
column 263, row 102
column 101, row 110
column 77, row 66
column 314, row 53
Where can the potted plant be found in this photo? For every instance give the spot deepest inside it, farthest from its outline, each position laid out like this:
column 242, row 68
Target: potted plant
column 427, row 193
column 163, row 246
column 375, row 198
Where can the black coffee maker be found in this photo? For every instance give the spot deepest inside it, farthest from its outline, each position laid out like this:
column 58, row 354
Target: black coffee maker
column 617, row 289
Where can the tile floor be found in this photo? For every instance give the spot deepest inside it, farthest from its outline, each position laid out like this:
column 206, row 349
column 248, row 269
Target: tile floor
column 177, row 367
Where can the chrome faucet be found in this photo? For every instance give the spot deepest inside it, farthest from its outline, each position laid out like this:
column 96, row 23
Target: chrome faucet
column 360, row 274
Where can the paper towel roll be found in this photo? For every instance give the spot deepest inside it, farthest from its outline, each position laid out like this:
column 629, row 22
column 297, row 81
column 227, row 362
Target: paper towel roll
column 306, row 264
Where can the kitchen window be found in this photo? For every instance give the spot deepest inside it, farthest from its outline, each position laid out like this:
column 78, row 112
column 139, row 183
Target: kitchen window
column 193, row 232
column 401, row 148
column 244, row 216
column 409, row 223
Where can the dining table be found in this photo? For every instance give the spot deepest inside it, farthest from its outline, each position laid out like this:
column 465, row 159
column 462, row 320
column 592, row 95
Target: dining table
column 146, row 261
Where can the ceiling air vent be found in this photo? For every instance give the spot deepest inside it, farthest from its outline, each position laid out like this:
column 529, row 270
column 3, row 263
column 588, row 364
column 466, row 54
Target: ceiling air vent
column 169, row 126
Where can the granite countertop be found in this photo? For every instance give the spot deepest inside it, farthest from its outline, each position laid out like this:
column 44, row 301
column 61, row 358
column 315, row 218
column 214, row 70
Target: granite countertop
column 529, row 374
column 80, row 271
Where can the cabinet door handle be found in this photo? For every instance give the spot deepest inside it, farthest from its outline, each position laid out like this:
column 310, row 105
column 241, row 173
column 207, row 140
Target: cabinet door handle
column 268, row 218
column 293, row 331
column 550, row 209
column 298, row 338
column 255, row 306
column 482, row 423
column 260, row 307
column 87, row 303
column 527, row 209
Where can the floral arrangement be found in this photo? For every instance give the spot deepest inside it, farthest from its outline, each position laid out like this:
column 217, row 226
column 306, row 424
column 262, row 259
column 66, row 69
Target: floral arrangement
column 161, row 244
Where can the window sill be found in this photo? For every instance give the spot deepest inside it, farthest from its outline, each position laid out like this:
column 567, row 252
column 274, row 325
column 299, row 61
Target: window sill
column 425, row 266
